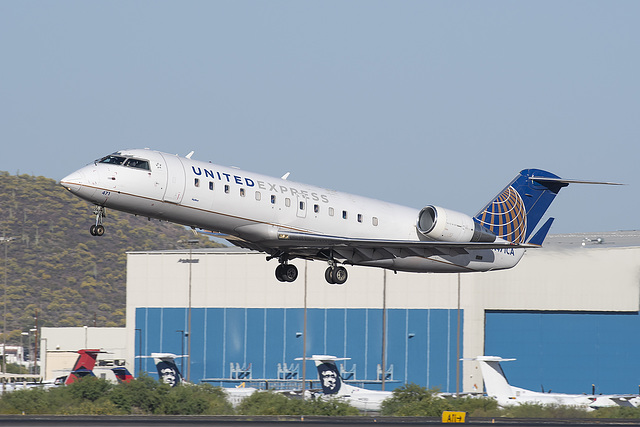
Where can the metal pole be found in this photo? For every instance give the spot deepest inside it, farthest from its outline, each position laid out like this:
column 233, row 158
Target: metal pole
column 189, row 325
column 139, row 350
column 304, row 336
column 4, row 311
column 384, row 327
column 458, row 344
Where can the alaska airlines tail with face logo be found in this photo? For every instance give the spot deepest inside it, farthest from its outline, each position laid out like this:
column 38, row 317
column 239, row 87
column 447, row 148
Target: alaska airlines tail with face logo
column 168, row 371
column 333, row 386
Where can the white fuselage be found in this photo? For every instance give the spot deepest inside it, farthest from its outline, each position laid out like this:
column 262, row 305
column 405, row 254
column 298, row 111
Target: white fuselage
column 255, row 208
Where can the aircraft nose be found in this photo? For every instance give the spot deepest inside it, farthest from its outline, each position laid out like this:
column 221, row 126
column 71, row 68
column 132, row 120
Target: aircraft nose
column 74, row 181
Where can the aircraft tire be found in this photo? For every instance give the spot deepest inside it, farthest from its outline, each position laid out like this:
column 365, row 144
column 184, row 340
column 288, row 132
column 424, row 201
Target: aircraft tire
column 99, row 230
column 339, row 275
column 328, row 275
column 279, row 273
column 289, row 272
column 92, row 230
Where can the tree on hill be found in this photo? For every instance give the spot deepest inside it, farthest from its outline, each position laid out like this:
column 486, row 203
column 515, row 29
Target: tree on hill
column 53, row 265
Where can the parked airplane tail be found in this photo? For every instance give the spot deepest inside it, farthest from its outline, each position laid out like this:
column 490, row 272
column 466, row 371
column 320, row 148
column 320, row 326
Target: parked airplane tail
column 329, row 375
column 84, row 365
column 495, row 381
column 167, row 369
column 122, row 374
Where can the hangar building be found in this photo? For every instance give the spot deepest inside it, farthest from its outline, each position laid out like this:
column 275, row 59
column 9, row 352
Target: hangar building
column 569, row 314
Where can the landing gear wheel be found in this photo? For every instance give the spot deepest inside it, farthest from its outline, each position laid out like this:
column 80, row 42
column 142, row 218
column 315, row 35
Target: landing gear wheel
column 96, row 230
column 286, row 272
column 328, row 275
column 335, row 275
column 339, row 275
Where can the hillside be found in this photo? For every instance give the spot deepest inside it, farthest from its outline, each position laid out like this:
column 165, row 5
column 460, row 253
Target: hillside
column 56, row 267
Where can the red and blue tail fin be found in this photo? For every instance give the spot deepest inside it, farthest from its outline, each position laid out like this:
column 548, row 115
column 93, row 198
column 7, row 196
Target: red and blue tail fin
column 122, row 374
column 84, row 365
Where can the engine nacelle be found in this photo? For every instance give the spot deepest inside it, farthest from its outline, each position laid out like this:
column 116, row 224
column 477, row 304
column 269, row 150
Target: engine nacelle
column 446, row 225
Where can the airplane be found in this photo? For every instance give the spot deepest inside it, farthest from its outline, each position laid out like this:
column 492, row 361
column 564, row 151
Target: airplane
column 289, row 220
column 498, row 387
column 333, row 386
column 168, row 371
column 122, row 374
column 170, row 374
column 83, row 367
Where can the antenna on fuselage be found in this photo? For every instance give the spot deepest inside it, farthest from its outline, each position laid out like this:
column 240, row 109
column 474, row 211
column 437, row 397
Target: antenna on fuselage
column 188, row 156
column 286, row 175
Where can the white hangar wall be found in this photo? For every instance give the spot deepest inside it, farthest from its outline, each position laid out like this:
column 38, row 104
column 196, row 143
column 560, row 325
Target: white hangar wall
column 565, row 276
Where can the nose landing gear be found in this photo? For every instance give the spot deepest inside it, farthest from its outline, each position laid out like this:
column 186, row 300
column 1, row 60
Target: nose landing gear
column 98, row 228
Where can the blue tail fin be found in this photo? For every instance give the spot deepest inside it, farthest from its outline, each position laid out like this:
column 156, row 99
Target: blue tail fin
column 167, row 369
column 516, row 211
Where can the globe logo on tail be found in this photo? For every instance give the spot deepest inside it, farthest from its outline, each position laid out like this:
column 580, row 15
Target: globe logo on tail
column 506, row 216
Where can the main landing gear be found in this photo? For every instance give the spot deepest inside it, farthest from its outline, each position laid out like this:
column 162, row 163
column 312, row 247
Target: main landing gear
column 334, row 275
column 98, row 228
column 286, row 272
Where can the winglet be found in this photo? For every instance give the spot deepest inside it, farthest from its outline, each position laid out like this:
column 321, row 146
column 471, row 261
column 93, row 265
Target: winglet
column 541, row 234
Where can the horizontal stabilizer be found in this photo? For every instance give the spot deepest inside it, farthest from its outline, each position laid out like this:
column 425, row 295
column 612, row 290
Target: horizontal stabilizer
column 565, row 182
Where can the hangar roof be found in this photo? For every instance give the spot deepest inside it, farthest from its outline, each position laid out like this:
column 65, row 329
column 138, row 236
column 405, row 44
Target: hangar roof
column 616, row 239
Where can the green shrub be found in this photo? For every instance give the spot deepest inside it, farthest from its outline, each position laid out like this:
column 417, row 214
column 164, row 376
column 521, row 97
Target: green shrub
column 415, row 401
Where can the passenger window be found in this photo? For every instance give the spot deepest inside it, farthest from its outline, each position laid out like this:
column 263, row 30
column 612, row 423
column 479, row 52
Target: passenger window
column 316, row 208
column 242, row 192
column 258, row 196
column 196, row 182
column 226, row 188
column 330, row 211
column 287, row 202
column 273, row 199
column 211, row 185
column 374, row 221
column 344, row 214
column 359, row 217
column 301, row 205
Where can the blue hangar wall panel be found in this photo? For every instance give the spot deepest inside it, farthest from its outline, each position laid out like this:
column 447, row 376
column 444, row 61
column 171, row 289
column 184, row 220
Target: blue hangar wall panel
column 421, row 343
column 567, row 351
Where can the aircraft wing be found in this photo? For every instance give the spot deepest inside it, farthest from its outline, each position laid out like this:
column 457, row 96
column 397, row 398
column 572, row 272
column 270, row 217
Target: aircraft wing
column 302, row 243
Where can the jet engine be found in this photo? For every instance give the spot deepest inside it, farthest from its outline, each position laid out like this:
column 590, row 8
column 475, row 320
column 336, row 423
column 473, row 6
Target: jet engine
column 446, row 225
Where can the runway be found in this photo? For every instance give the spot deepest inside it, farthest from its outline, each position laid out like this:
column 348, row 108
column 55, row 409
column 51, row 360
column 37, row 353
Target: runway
column 316, row 421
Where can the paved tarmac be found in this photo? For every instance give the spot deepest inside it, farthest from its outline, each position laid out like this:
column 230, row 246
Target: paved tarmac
column 315, row 421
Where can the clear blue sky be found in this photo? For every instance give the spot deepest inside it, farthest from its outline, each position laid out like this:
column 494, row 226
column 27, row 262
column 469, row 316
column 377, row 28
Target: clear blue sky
column 413, row 102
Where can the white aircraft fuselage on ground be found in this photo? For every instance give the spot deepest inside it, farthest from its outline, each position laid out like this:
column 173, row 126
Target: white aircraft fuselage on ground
column 289, row 220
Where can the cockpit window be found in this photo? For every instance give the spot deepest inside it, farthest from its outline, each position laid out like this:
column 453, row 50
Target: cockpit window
column 137, row 163
column 114, row 160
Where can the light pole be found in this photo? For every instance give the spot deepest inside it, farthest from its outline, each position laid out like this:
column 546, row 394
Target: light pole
column 181, row 350
column 188, row 333
column 31, row 355
column 6, row 241
column 23, row 334
column 139, row 350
